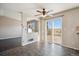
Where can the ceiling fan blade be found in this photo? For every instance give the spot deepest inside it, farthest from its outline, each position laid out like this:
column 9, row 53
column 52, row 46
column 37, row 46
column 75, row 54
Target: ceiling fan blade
column 39, row 11
column 49, row 11
column 38, row 14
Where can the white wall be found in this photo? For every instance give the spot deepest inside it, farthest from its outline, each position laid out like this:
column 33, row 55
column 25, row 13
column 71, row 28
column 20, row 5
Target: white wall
column 9, row 28
column 1, row 12
column 10, row 24
column 70, row 21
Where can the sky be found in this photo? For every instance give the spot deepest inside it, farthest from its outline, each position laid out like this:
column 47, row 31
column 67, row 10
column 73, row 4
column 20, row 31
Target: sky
column 54, row 23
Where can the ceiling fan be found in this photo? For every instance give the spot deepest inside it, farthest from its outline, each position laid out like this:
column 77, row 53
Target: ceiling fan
column 43, row 12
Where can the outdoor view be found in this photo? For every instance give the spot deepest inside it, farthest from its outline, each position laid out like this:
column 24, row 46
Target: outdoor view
column 54, row 27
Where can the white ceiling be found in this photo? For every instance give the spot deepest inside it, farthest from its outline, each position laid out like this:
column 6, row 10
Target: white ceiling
column 30, row 8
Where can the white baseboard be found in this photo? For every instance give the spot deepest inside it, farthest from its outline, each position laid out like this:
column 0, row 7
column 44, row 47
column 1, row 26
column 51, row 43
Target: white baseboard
column 70, row 47
column 28, row 43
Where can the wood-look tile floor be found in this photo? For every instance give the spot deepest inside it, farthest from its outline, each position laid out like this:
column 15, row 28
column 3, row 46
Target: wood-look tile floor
column 40, row 49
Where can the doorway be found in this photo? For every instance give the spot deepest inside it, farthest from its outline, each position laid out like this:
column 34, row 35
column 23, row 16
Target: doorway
column 54, row 30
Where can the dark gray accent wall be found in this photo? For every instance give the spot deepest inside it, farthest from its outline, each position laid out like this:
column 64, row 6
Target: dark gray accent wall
column 10, row 43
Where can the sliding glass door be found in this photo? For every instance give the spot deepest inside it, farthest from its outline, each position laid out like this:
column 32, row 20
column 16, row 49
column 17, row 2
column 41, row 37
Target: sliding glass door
column 54, row 30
